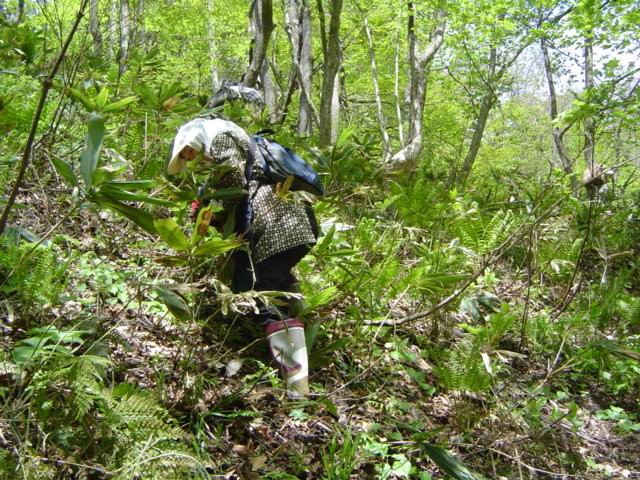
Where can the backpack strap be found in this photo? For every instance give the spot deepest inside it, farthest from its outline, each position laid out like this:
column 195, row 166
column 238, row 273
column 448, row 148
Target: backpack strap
column 245, row 212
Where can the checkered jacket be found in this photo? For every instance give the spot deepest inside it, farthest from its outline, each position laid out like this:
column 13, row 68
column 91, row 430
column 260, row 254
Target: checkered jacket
column 277, row 225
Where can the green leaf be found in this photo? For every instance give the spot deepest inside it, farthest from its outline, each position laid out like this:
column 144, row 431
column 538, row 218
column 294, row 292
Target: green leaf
column 93, row 144
column 174, row 302
column 65, row 171
column 112, row 107
column 135, row 197
column 80, row 97
column 140, row 217
column 449, row 464
column 344, row 252
column 326, row 241
column 103, row 175
column 311, row 334
column 170, row 232
column 101, row 99
column 171, row 260
column 22, row 355
column 134, row 184
column 216, row 246
column 320, row 298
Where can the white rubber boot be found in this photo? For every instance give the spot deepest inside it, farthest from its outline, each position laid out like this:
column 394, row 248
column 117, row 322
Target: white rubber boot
column 287, row 345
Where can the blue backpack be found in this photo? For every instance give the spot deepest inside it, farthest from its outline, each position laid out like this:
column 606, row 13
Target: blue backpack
column 282, row 162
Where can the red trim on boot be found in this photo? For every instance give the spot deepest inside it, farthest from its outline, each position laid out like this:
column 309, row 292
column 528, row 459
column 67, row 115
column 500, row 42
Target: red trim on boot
column 280, row 325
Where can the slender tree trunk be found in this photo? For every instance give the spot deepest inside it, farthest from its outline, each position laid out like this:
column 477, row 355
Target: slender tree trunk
column 589, row 123
column 329, row 100
column 20, row 12
column 211, row 33
column 94, row 27
column 386, row 143
column 270, row 92
column 113, row 29
column 406, row 158
column 305, row 110
column 487, row 103
column 297, row 16
column 478, row 132
column 140, row 24
column 261, row 26
column 556, row 134
column 323, row 28
column 396, row 83
column 125, row 35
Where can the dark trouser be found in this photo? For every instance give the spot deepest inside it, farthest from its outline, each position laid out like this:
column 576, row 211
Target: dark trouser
column 273, row 273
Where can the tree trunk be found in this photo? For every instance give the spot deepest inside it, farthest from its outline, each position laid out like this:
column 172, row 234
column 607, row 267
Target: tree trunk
column 113, row 26
column 140, row 26
column 396, row 83
column 386, row 143
column 488, row 101
column 211, row 33
column 407, row 157
column 323, row 28
column 94, row 27
column 270, row 92
column 20, row 12
column 125, row 35
column 556, row 134
column 589, row 123
column 478, row 132
column 305, row 110
column 297, row 16
column 329, row 100
column 261, row 28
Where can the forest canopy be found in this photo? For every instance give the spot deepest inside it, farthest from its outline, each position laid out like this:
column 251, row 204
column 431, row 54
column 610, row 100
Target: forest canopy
column 472, row 303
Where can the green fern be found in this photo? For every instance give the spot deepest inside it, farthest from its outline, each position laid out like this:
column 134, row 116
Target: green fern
column 35, row 277
column 462, row 368
column 483, row 235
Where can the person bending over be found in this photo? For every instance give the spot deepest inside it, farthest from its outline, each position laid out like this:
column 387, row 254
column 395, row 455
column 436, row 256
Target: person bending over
column 281, row 234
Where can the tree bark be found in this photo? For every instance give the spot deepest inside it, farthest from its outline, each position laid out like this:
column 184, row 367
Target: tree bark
column 305, row 110
column 20, row 12
column 486, row 105
column 94, row 27
column 396, row 82
column 489, row 99
column 386, row 142
column 589, row 123
column 125, row 35
column 323, row 28
column 478, row 132
column 113, row 26
column 211, row 33
column 140, row 24
column 407, row 157
column 270, row 92
column 261, row 28
column 297, row 16
column 556, row 134
column 329, row 100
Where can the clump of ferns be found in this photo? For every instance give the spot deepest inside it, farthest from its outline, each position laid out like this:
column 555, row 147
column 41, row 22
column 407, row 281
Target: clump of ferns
column 119, row 427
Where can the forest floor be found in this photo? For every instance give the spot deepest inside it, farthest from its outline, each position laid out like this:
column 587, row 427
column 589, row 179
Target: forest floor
column 374, row 400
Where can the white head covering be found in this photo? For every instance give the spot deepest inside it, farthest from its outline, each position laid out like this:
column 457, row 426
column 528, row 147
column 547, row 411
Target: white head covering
column 197, row 134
